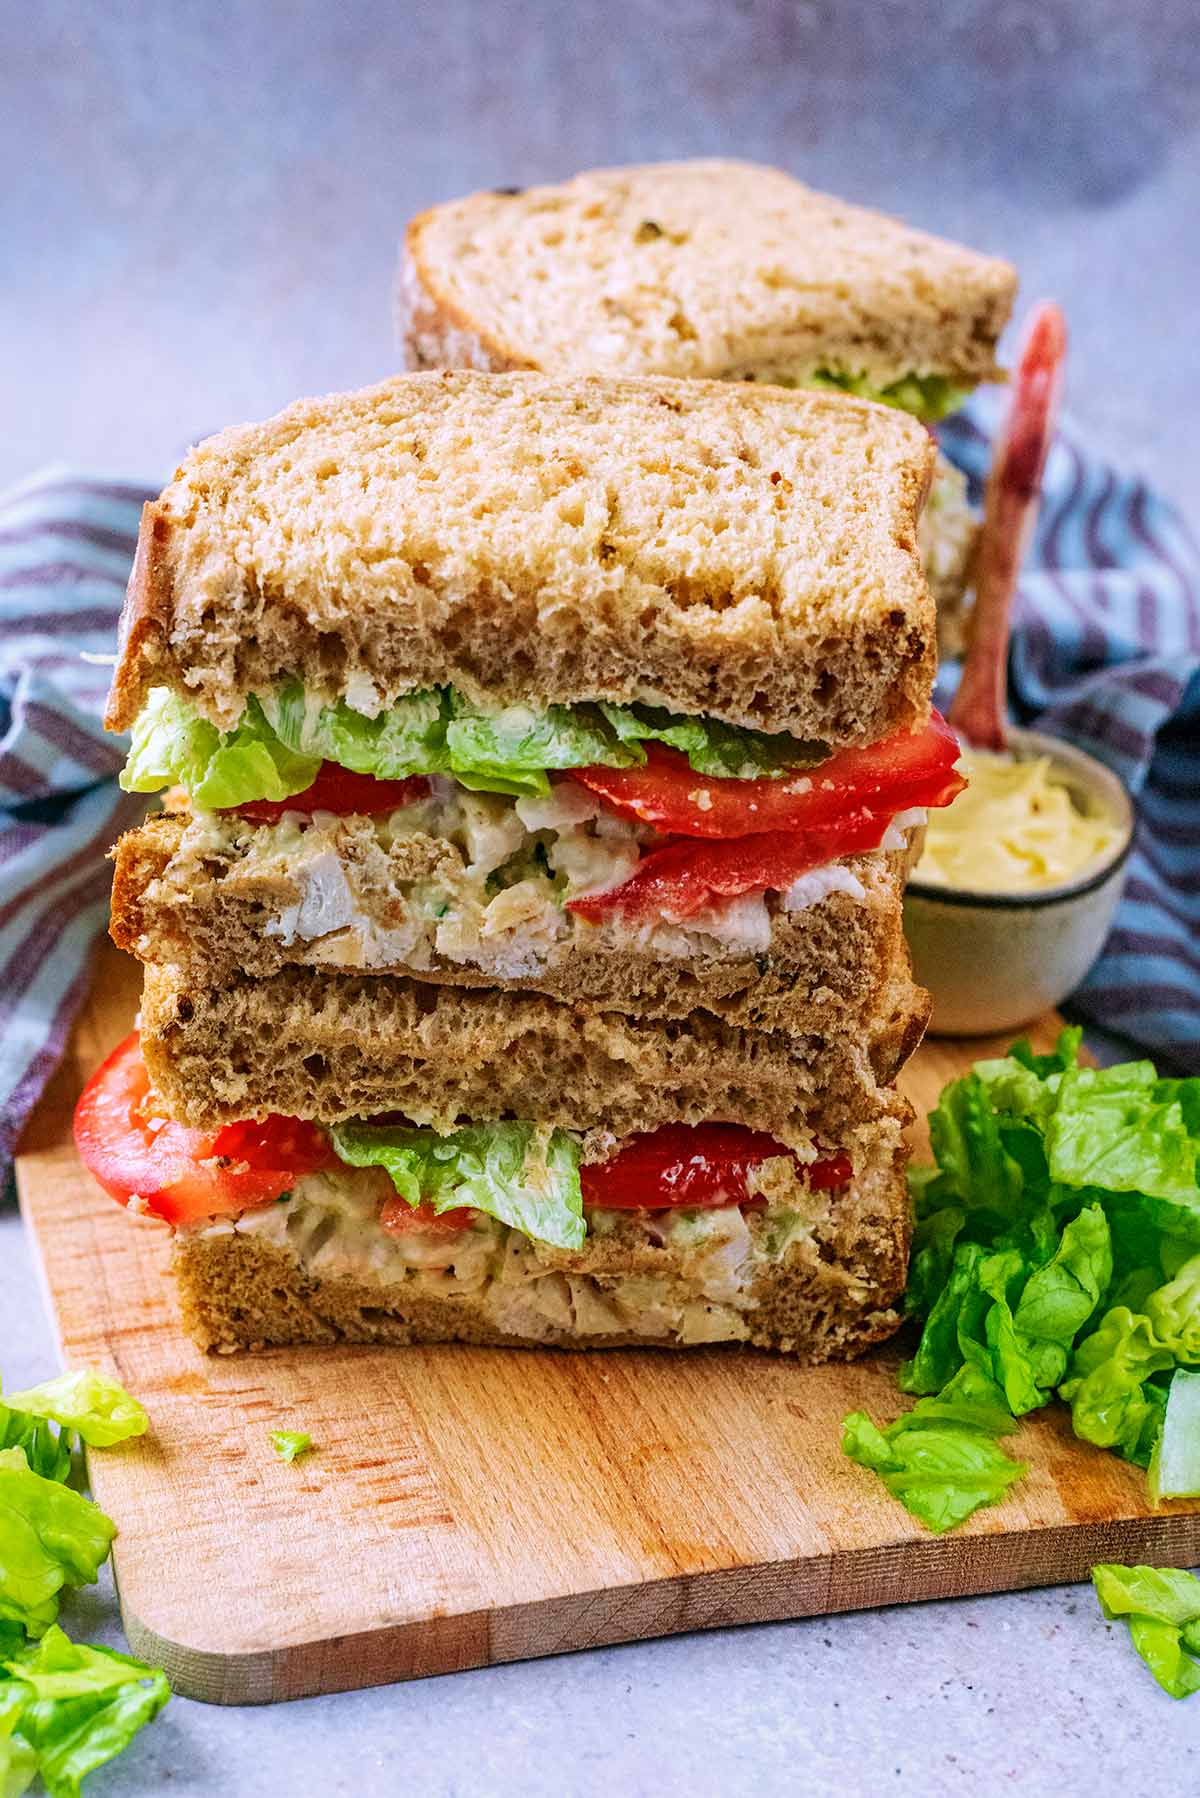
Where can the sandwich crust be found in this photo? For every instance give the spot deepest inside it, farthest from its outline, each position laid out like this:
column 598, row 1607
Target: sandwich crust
column 713, row 269
column 311, row 1044
column 745, row 553
column 829, row 1296
column 216, row 913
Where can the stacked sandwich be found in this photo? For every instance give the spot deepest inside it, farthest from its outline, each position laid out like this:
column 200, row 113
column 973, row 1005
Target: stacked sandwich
column 718, row 270
column 522, row 937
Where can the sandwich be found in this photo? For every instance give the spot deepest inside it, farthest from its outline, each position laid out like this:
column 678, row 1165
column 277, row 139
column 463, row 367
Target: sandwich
column 716, row 270
column 522, row 933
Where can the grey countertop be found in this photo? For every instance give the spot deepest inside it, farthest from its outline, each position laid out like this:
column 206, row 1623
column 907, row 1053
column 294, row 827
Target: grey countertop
column 1031, row 1693
column 205, row 225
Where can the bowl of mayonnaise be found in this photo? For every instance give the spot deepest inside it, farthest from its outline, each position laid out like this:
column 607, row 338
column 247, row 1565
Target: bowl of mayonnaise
column 1016, row 883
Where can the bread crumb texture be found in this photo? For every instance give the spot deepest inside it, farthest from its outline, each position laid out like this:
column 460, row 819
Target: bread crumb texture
column 712, row 268
column 747, row 553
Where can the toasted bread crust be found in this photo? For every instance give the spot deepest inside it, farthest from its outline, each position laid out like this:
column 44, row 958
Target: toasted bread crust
column 803, row 609
column 830, row 1297
column 839, row 964
column 311, row 1044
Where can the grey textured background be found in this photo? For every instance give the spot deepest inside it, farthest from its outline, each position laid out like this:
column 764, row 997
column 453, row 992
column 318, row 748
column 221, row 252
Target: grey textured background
column 198, row 221
column 209, row 199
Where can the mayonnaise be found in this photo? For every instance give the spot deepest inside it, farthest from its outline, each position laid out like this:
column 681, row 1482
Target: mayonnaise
column 1018, row 826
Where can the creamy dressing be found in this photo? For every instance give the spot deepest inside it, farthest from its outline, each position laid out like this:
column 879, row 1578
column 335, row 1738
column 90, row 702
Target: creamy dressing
column 330, row 1226
column 1018, row 826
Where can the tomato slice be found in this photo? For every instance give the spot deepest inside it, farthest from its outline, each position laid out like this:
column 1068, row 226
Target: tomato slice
column 694, row 1164
column 907, row 769
column 399, row 1218
column 178, row 1174
column 689, row 875
column 339, row 790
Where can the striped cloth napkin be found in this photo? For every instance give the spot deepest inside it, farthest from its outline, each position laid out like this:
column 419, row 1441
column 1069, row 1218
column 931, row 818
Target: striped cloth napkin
column 1106, row 652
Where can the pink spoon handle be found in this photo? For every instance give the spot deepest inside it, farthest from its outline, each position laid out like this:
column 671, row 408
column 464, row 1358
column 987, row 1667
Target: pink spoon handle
column 1009, row 515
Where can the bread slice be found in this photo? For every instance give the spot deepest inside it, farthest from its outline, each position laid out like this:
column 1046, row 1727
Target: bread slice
column 745, row 553
column 312, row 1044
column 218, row 900
column 710, row 269
column 816, row 1275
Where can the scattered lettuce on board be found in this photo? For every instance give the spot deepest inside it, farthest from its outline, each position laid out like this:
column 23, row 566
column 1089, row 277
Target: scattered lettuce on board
column 282, row 738
column 525, row 1177
column 289, row 1445
column 1056, row 1254
column 64, row 1708
column 1162, row 1608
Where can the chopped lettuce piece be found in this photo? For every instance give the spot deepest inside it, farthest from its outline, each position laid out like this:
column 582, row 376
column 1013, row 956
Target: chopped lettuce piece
column 941, row 1459
column 289, row 1445
column 1162, row 1608
column 928, row 397
column 95, row 1406
column 66, row 1709
column 1175, row 1463
column 50, row 1537
column 282, row 739
column 525, row 1177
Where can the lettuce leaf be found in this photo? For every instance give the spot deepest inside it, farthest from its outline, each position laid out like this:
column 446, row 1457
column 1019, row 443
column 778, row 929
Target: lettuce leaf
column 1056, row 1243
column 96, row 1407
column 173, row 744
column 1162, row 1607
column 50, row 1537
column 941, row 1459
column 928, row 397
column 289, row 1445
column 1175, row 1464
column 282, row 739
column 511, row 1171
column 66, row 1709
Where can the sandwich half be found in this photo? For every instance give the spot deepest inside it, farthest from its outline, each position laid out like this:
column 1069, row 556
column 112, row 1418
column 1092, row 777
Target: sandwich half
column 615, row 691
column 715, row 270
column 630, row 1211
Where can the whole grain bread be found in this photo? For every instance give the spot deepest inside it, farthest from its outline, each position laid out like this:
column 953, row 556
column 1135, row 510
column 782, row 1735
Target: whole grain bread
column 741, row 552
column 712, row 269
column 835, row 965
column 312, row 1044
column 828, row 1297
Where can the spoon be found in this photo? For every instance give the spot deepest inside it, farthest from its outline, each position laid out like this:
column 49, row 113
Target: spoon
column 1010, row 510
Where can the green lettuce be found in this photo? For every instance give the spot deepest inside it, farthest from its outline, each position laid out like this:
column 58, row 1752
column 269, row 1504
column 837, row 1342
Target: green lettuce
column 289, row 1445
column 66, row 1709
column 941, row 1459
column 511, row 1171
column 1175, row 1464
column 1056, row 1244
column 282, row 739
column 1162, row 1608
column 172, row 744
column 928, row 397
column 95, row 1406
column 50, row 1537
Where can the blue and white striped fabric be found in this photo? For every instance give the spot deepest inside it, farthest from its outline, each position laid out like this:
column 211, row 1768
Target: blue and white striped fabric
column 66, row 545
column 1106, row 651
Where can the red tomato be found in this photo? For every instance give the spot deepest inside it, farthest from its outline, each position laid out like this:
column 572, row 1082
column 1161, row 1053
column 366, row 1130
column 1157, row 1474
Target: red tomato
column 907, row 769
column 338, row 790
column 179, row 1174
column 693, row 1164
column 399, row 1218
column 690, row 874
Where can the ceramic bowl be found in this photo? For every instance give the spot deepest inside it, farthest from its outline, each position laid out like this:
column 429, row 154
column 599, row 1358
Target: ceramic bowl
column 994, row 961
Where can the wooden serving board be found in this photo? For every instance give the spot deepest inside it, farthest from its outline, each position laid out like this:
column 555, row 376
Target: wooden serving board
column 469, row 1506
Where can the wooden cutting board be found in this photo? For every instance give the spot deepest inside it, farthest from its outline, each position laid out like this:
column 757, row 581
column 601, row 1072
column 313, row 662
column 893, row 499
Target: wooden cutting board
column 469, row 1506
